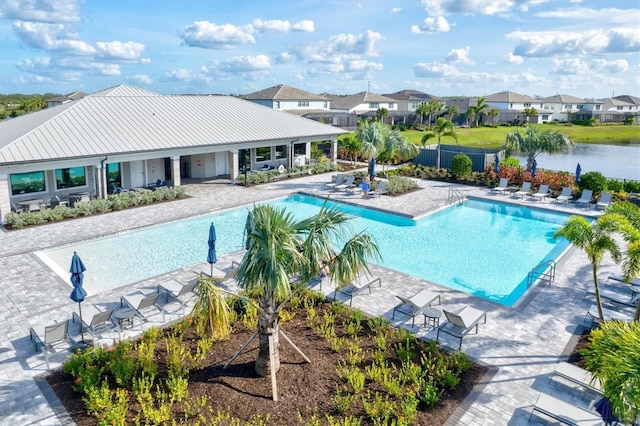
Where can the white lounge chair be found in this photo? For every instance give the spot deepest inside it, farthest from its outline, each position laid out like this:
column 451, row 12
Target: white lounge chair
column 542, row 193
column 565, row 196
column 49, row 336
column 181, row 293
column 381, row 189
column 357, row 286
column 144, row 305
column 585, row 198
column 620, row 278
column 566, row 413
column 461, row 324
column 577, row 375
column 626, row 299
column 502, row 186
column 333, row 184
column 100, row 320
column 347, row 185
column 524, row 191
column 415, row 304
column 609, row 314
column 604, row 201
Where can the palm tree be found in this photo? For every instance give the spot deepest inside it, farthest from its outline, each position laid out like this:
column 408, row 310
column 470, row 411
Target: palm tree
column 481, row 108
column 530, row 112
column 352, row 148
column 433, row 107
column 472, row 112
column 494, row 113
column 452, row 111
column 596, row 240
column 381, row 113
column 442, row 128
column 422, row 110
column 536, row 140
column 378, row 138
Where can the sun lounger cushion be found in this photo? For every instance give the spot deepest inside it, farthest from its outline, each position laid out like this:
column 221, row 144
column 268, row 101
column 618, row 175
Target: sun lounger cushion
column 625, row 299
column 578, row 375
column 566, row 413
column 357, row 286
column 461, row 324
column 415, row 304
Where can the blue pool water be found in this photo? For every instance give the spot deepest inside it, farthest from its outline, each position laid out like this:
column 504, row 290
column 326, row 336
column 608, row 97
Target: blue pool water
column 479, row 247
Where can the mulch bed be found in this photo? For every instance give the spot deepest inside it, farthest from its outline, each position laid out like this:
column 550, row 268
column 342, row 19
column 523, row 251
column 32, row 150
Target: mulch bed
column 303, row 388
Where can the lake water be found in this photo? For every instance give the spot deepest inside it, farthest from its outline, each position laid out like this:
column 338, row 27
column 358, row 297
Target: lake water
column 613, row 161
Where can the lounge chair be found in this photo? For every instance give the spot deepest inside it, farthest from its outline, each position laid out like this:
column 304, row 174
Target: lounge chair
column 222, row 278
column 144, row 306
column 565, row 196
column 604, row 201
column 347, row 185
column 502, row 186
column 620, row 278
column 49, row 336
column 461, row 324
column 585, row 198
column 381, row 189
column 565, row 412
column 630, row 300
column 524, row 191
column 181, row 293
column 357, row 286
column 579, row 376
column 609, row 314
column 338, row 181
column 542, row 193
column 100, row 320
column 415, row 304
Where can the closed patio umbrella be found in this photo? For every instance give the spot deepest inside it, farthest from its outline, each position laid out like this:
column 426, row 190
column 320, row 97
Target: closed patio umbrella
column 77, row 276
column 578, row 170
column 603, row 407
column 372, row 169
column 211, row 255
column 497, row 166
column 533, row 168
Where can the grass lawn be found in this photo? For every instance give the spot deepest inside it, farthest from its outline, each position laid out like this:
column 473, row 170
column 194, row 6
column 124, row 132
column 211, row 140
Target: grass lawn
column 487, row 137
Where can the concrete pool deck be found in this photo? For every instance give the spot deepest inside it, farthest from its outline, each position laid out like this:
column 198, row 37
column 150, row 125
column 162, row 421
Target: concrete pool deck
column 520, row 344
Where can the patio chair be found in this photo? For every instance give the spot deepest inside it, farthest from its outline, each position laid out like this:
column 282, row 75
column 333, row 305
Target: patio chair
column 625, row 299
column 621, row 279
column 100, row 320
column 542, row 193
column 565, row 196
column 333, row 184
column 222, row 278
column 604, row 201
column 524, row 191
column 16, row 208
column 357, row 286
column 585, row 198
column 381, row 189
column 181, row 293
column 565, row 412
column 415, row 304
column 608, row 314
column 461, row 324
column 578, row 376
column 502, row 186
column 144, row 305
column 347, row 185
column 52, row 335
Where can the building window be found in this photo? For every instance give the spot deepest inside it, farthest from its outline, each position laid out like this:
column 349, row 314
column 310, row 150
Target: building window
column 26, row 183
column 545, row 117
column 580, row 106
column 71, row 178
column 619, row 108
column 415, row 105
column 263, row 153
column 303, row 103
column 527, row 104
column 276, row 104
column 391, row 105
column 326, row 104
column 597, row 108
column 375, row 105
column 300, row 149
column 281, row 151
column 568, row 106
column 113, row 175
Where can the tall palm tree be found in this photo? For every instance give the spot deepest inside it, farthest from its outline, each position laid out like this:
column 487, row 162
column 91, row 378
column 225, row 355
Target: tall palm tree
column 530, row 113
column 422, row 110
column 378, row 138
column 381, row 113
column 481, row 108
column 452, row 111
column 596, row 240
column 352, row 148
column 535, row 140
column 442, row 128
column 472, row 113
column 493, row 113
column 433, row 107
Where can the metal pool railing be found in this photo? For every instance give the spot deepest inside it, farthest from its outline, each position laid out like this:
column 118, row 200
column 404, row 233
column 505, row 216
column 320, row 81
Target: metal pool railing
column 545, row 271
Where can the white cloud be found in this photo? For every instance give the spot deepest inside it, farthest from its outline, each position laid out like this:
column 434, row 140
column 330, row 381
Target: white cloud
column 305, row 25
column 118, row 50
column 608, row 17
column 51, row 37
column 431, row 26
column 550, row 43
column 361, row 65
column 212, row 36
column 140, row 79
column 471, row 7
column 459, row 56
column 51, row 11
column 574, row 66
column 35, row 63
column 244, row 64
column 279, row 26
column 180, row 74
column 434, row 70
column 510, row 58
column 339, row 48
column 613, row 67
column 395, row 10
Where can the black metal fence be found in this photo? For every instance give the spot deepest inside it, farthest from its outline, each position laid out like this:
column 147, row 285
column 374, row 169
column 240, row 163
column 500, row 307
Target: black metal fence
column 480, row 157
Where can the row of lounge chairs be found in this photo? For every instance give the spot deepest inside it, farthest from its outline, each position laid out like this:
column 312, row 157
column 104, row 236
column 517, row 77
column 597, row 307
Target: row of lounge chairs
column 565, row 196
column 347, row 184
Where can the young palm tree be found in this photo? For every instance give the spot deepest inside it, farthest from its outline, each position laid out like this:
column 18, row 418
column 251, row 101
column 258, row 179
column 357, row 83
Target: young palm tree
column 530, row 113
column 281, row 247
column 452, row 111
column 377, row 138
column 422, row 110
column 433, row 107
column 481, row 108
column 381, row 113
column 442, row 128
column 352, row 148
column 535, row 140
column 493, row 113
column 596, row 240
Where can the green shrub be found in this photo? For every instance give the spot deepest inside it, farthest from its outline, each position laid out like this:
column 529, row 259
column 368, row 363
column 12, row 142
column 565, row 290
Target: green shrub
column 400, row 184
column 594, row 181
column 615, row 185
column 510, row 162
column 632, row 186
column 461, row 166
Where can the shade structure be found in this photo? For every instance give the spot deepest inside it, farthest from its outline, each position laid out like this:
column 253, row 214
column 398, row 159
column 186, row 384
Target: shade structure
column 211, row 255
column 372, row 169
column 578, row 170
column 77, row 276
column 497, row 166
column 533, row 168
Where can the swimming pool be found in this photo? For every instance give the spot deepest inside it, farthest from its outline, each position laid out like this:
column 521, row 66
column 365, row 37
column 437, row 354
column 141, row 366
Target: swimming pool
column 479, row 247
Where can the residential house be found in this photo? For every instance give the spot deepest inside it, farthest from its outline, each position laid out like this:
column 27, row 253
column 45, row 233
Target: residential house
column 562, row 107
column 512, row 106
column 290, row 99
column 130, row 137
column 59, row 100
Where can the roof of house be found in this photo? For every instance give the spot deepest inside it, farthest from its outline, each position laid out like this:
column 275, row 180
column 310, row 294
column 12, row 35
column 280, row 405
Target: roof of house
column 628, row 98
column 283, row 92
column 411, row 95
column 69, row 97
column 508, row 97
column 348, row 102
column 125, row 119
column 562, row 99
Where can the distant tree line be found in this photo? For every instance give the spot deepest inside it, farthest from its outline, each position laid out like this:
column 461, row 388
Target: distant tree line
column 16, row 104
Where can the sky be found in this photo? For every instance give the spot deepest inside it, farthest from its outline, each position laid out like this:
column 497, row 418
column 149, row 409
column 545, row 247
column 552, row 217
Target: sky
column 583, row 48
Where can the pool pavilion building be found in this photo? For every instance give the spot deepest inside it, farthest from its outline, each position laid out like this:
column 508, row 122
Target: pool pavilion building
column 130, row 137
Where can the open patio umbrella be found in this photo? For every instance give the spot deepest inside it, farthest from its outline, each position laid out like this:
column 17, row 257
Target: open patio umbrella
column 533, row 168
column 372, row 169
column 578, row 170
column 211, row 255
column 497, row 166
column 78, row 294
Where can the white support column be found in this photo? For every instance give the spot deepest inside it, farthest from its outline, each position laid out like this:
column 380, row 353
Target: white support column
column 5, row 201
column 175, row 171
column 334, row 150
column 233, row 165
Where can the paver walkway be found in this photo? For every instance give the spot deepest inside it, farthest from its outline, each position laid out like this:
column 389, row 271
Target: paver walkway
column 521, row 343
